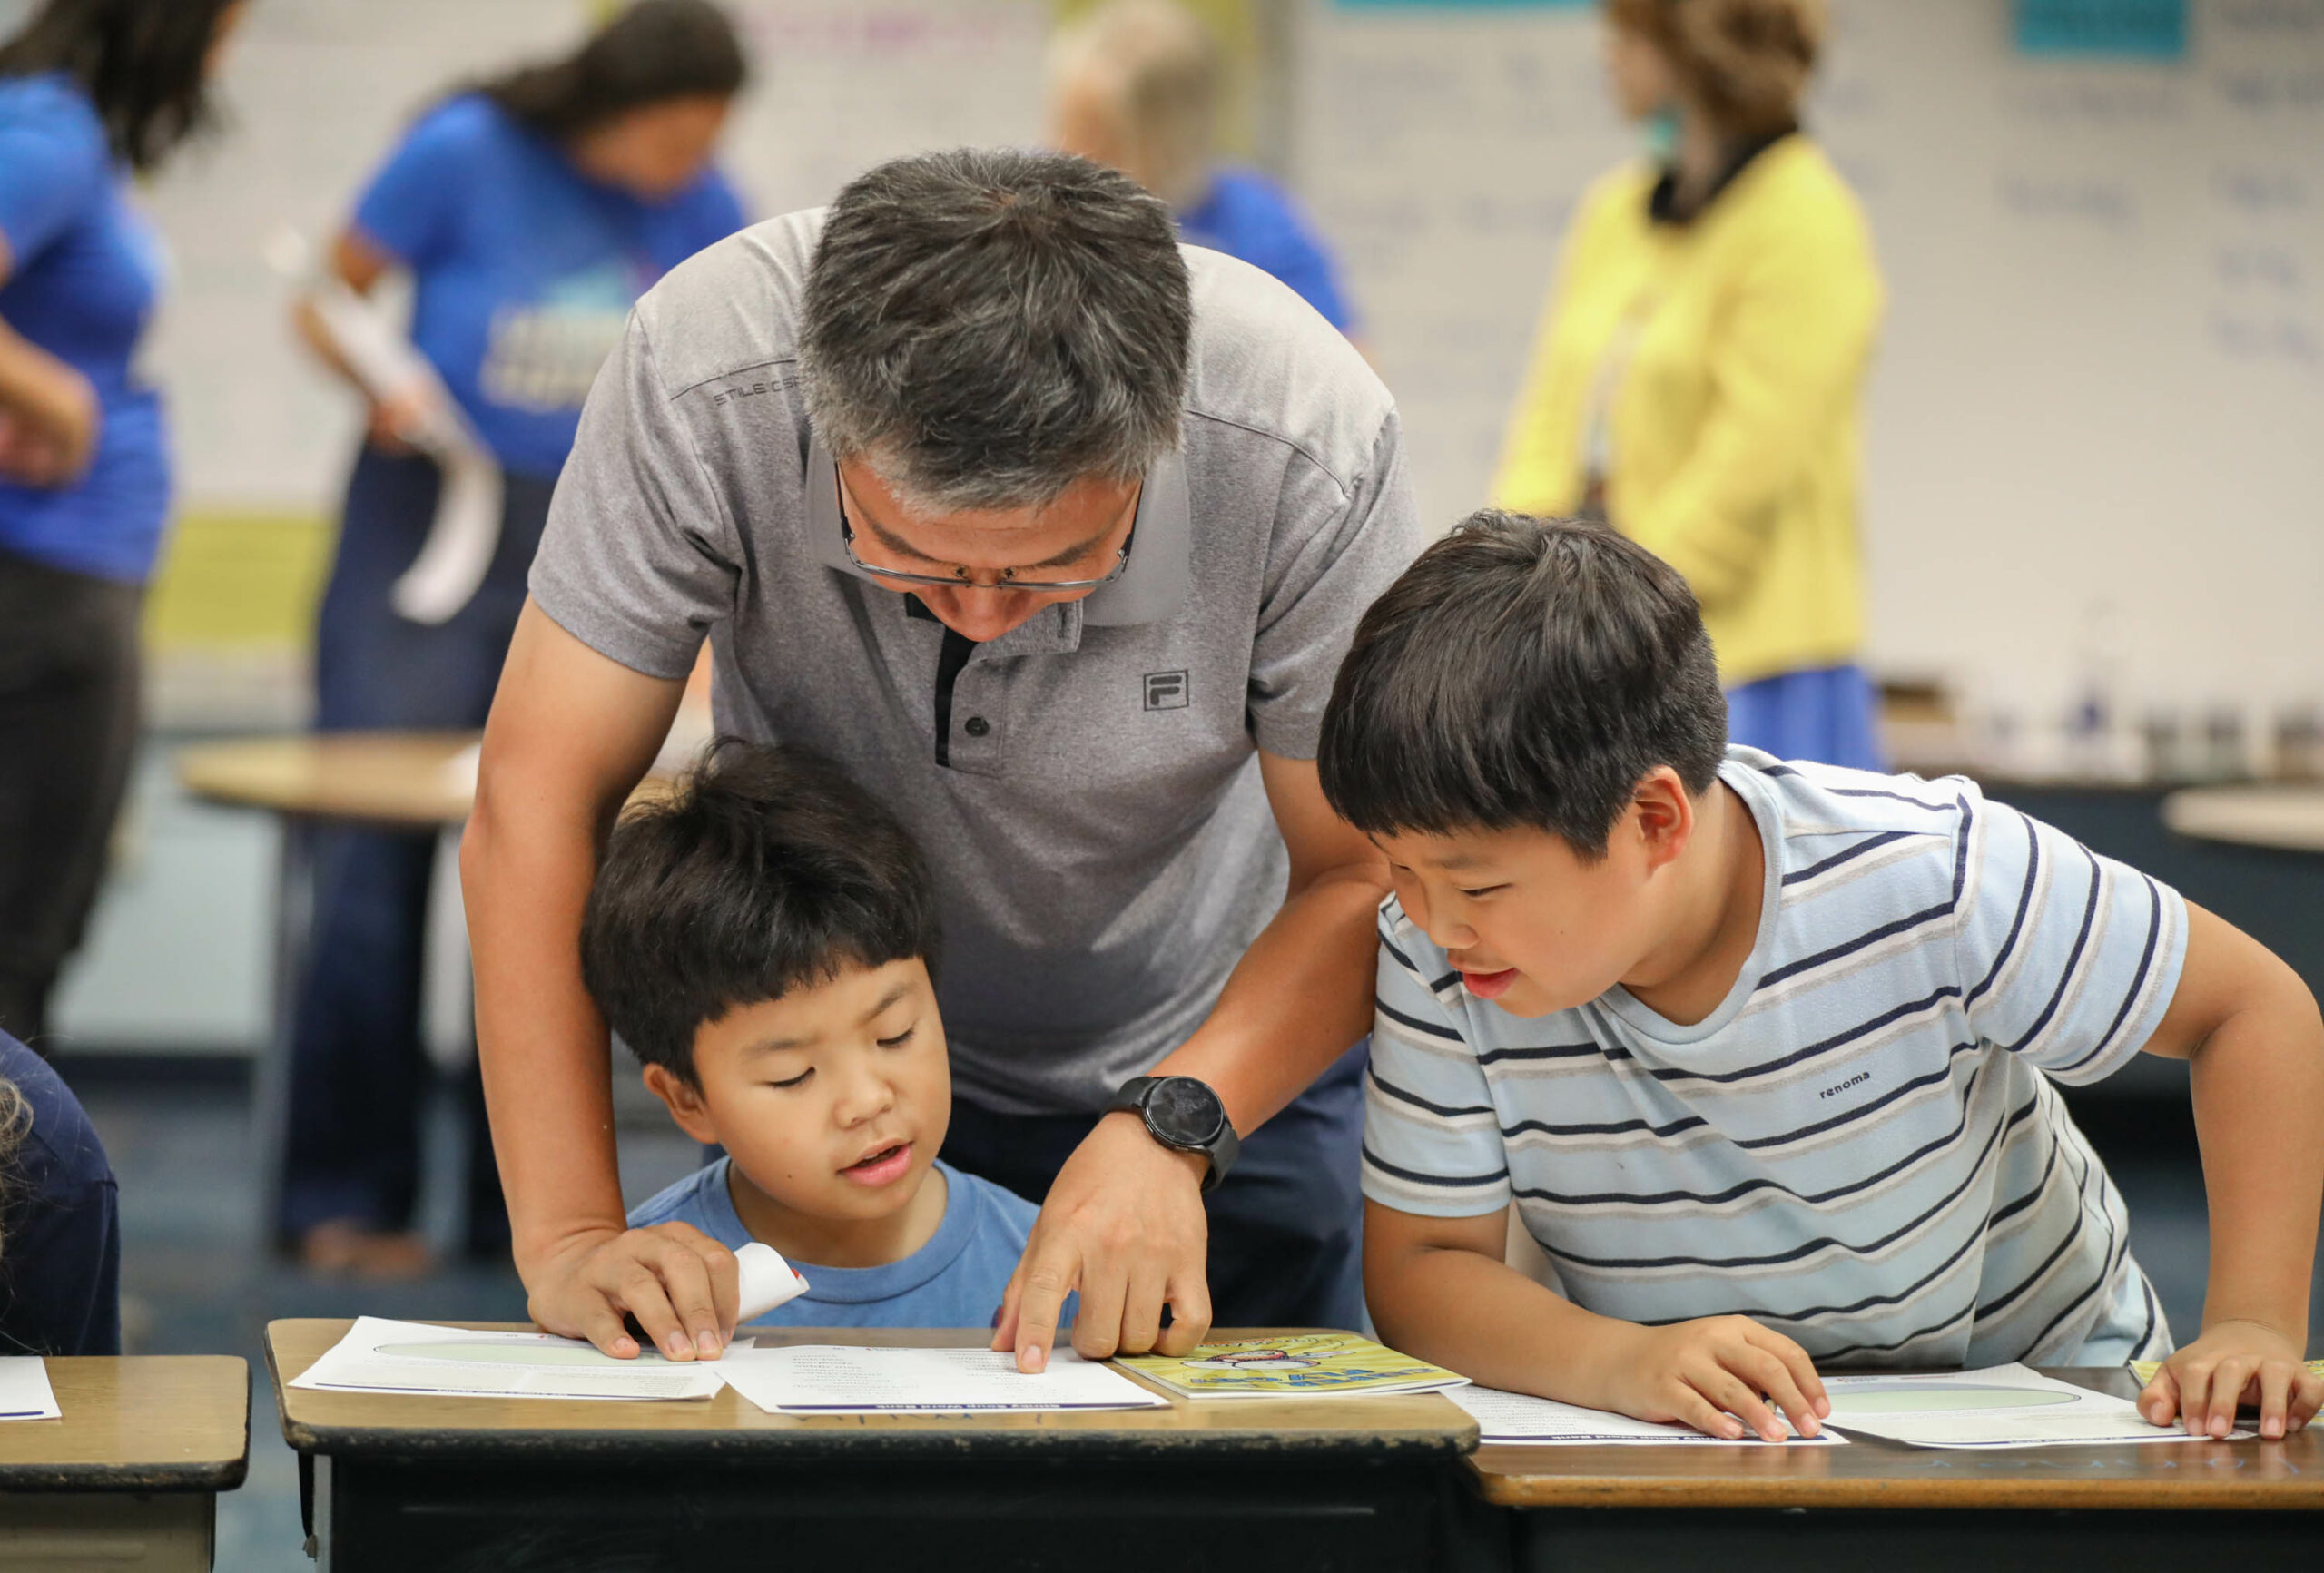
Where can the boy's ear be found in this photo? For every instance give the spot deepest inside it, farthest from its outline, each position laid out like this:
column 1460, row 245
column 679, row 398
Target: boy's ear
column 684, row 1100
column 1666, row 816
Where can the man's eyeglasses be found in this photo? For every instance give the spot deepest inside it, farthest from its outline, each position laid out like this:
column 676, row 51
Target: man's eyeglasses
column 958, row 579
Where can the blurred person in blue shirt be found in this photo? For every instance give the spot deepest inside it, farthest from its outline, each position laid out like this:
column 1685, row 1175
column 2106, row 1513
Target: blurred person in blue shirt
column 92, row 92
column 529, row 211
column 766, row 943
column 1135, row 85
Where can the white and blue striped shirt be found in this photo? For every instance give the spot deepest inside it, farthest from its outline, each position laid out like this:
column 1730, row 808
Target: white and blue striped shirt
column 1861, row 1147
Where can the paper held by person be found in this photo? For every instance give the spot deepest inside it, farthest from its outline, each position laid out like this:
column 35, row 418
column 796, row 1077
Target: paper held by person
column 848, row 1379
column 465, row 532
column 1516, row 1417
column 2002, row 1406
column 379, row 1355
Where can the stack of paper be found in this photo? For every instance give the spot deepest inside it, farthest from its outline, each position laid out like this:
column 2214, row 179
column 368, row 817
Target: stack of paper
column 1292, row 1365
column 382, row 1356
column 844, row 1379
column 1516, row 1417
column 25, row 1392
column 2003, row 1406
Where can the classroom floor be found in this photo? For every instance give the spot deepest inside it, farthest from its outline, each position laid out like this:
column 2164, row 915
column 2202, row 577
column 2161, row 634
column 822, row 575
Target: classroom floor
column 195, row 1278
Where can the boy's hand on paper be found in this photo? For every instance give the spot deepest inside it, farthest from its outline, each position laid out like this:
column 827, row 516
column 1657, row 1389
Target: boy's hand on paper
column 1711, row 1375
column 2235, row 1362
column 680, row 1286
column 1124, row 1223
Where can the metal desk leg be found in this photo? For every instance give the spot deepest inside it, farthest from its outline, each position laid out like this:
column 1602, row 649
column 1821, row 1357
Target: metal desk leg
column 294, row 909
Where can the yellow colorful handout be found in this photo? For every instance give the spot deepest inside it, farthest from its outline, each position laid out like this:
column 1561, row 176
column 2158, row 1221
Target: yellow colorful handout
column 1290, row 1365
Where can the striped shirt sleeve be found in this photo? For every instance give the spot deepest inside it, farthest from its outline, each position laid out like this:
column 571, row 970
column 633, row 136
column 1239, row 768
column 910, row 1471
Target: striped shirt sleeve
column 2066, row 958
column 1432, row 1141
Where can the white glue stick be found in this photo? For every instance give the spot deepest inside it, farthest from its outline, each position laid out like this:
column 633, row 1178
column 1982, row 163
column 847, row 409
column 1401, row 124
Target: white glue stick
column 768, row 1281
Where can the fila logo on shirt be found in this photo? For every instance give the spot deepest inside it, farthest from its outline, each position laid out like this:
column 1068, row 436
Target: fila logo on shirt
column 1166, row 691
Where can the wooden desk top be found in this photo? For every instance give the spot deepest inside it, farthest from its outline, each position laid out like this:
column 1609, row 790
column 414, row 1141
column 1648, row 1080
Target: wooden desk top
column 1872, row 1473
column 384, row 778
column 170, row 1422
column 396, row 779
column 2285, row 818
column 1408, row 1428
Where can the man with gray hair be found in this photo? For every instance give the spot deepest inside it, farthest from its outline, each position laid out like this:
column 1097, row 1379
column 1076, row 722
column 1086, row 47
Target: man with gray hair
column 1053, row 534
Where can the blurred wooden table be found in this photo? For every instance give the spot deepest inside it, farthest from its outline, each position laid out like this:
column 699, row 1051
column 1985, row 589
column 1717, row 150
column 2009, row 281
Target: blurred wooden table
column 405, row 1481
column 421, row 781
column 1873, row 1503
column 2282, row 818
column 383, row 779
column 129, row 1478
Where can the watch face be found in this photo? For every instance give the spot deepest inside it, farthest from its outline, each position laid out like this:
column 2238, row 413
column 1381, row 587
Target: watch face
column 1184, row 1110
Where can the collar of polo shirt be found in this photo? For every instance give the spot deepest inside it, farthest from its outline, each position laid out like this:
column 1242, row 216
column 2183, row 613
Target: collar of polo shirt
column 1152, row 585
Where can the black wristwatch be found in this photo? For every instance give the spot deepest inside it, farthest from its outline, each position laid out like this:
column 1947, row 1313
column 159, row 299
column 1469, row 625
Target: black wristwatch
column 1183, row 1112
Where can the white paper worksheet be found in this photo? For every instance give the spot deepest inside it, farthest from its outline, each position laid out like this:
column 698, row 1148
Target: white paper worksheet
column 382, row 1356
column 847, row 1379
column 25, row 1392
column 1517, row 1417
column 2002, row 1406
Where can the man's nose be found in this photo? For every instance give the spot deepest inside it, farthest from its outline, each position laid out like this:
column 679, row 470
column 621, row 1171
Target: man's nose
column 980, row 615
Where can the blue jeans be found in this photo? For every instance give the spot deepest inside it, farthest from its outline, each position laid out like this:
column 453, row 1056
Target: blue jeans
column 1828, row 714
column 359, row 1074
column 1287, row 1226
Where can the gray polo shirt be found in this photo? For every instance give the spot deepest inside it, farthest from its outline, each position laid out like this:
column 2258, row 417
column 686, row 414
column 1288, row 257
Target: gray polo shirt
column 1086, row 786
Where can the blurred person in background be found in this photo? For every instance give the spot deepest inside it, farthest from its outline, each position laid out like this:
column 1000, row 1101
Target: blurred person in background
column 1137, row 84
column 529, row 211
column 1699, row 373
column 92, row 93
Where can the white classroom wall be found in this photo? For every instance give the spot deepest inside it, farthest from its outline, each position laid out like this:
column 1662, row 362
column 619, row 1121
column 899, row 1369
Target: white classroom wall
column 2096, row 427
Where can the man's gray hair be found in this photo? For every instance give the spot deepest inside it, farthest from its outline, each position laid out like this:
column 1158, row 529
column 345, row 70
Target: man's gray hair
column 988, row 326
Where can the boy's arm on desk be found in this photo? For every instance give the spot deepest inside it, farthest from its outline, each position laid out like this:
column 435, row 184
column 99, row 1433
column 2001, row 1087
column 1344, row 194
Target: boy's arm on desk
column 1439, row 1290
column 2250, row 1028
column 571, row 733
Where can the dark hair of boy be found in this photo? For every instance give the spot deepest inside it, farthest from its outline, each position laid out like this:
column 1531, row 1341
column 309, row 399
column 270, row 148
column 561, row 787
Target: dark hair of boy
column 651, row 53
column 1523, row 673
column 768, row 869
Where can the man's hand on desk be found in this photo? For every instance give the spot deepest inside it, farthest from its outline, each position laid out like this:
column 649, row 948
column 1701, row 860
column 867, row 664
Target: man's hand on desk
column 1124, row 1223
column 2234, row 1363
column 682, row 1286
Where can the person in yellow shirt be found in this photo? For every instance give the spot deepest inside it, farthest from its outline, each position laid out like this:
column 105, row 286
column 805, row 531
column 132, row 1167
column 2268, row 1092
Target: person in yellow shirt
column 1699, row 372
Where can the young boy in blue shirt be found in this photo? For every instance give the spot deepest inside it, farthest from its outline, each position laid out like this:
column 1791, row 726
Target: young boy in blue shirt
column 1764, row 1052
column 764, row 942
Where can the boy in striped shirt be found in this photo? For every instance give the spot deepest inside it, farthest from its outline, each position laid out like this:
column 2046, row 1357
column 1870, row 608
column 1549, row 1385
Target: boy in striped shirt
column 1763, row 1053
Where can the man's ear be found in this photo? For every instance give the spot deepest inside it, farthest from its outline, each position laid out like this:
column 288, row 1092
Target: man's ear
column 684, row 1100
column 1665, row 815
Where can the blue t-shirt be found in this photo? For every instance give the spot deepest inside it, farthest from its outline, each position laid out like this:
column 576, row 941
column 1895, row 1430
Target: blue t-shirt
column 956, row 1280
column 524, row 269
column 1248, row 216
column 84, row 270
column 60, row 1224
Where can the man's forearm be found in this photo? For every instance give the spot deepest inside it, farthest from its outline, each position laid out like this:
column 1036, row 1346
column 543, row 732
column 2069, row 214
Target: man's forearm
column 2259, row 1094
column 1298, row 999
column 542, row 1046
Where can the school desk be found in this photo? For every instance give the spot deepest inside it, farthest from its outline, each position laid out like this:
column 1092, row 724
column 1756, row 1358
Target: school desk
column 2166, row 1506
column 389, row 781
column 129, row 1480
column 449, row 1484
column 2283, row 818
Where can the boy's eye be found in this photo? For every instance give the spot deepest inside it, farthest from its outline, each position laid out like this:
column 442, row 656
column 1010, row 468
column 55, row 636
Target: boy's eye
column 1481, row 891
column 901, row 1038
column 795, row 1080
